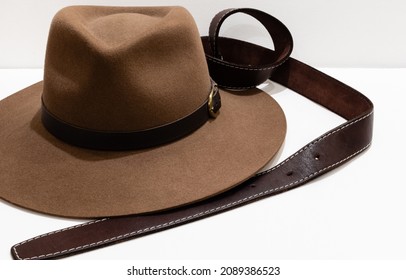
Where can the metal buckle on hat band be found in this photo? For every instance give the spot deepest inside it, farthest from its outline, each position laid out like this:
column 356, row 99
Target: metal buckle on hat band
column 214, row 101
column 131, row 140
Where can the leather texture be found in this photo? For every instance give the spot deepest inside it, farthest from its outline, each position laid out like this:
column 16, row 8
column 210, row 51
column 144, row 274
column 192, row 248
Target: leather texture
column 130, row 140
column 323, row 154
column 242, row 65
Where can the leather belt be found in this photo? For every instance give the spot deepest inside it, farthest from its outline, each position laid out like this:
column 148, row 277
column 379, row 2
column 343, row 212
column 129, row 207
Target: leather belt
column 226, row 64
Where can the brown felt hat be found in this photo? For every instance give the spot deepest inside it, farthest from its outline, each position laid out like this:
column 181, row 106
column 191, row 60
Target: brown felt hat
column 127, row 119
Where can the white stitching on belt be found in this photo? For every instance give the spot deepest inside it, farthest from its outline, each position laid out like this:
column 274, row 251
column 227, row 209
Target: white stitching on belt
column 205, row 212
column 239, row 67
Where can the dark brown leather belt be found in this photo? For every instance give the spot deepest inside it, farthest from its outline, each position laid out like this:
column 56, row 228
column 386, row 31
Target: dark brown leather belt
column 235, row 63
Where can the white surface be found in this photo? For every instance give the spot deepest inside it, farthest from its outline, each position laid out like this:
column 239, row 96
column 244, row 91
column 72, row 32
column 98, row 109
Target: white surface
column 346, row 33
column 355, row 212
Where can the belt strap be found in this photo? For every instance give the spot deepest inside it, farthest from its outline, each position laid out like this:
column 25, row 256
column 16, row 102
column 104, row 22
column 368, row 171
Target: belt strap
column 229, row 61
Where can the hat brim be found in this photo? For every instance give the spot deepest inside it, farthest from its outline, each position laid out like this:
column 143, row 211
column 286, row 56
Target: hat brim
column 40, row 172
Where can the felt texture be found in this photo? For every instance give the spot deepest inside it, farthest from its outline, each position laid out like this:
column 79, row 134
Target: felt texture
column 42, row 173
column 124, row 68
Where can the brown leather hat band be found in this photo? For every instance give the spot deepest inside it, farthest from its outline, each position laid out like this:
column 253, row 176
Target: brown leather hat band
column 101, row 140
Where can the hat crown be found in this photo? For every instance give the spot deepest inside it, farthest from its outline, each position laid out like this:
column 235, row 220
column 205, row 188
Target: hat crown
column 124, row 68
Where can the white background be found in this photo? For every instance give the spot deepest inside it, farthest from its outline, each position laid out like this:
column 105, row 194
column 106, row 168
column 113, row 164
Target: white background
column 355, row 212
column 346, row 33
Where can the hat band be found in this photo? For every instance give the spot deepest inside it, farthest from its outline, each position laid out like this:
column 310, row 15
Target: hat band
column 101, row 140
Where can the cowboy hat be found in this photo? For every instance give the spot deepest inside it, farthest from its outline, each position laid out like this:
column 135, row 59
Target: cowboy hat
column 127, row 119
